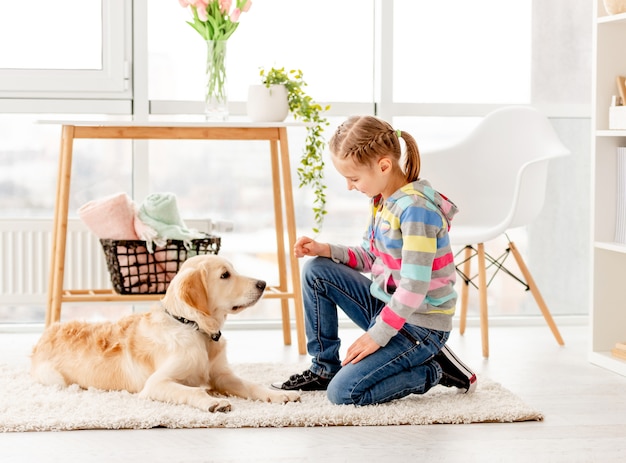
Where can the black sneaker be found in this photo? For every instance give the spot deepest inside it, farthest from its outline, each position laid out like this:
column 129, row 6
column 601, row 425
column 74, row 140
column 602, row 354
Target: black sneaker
column 307, row 381
column 454, row 372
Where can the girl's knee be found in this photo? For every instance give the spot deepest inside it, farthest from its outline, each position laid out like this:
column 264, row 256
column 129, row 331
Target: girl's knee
column 343, row 390
column 315, row 268
column 315, row 264
column 338, row 395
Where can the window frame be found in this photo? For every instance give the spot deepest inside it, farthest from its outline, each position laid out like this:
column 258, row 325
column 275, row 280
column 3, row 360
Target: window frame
column 112, row 81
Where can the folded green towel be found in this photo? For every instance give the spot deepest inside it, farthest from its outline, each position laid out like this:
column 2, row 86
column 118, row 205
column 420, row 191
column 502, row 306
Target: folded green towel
column 160, row 212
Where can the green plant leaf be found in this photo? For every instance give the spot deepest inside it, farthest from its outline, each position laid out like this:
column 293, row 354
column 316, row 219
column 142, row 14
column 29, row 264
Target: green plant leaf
column 305, row 109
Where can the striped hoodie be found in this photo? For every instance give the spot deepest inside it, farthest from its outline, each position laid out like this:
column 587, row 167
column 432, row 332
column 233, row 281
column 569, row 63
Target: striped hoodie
column 407, row 251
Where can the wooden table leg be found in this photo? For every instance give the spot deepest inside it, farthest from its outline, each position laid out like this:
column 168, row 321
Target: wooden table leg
column 59, row 231
column 280, row 241
column 291, row 235
column 55, row 223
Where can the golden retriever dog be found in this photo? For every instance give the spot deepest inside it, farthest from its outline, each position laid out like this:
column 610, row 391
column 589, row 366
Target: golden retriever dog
column 174, row 353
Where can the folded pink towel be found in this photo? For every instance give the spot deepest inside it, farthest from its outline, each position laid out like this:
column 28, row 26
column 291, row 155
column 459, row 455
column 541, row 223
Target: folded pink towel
column 112, row 217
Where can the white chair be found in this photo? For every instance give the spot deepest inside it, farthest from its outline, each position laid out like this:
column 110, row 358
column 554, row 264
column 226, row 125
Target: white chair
column 497, row 177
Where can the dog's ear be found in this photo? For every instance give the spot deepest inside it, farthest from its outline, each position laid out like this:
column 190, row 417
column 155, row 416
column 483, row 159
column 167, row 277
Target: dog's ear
column 193, row 290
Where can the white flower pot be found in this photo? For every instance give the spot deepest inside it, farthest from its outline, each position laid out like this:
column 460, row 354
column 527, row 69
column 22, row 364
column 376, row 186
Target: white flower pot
column 267, row 104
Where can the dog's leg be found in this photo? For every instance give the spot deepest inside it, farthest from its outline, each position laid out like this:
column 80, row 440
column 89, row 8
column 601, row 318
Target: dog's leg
column 226, row 382
column 161, row 387
column 45, row 373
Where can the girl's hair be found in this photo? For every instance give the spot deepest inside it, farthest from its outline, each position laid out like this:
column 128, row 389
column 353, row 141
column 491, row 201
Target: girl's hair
column 366, row 139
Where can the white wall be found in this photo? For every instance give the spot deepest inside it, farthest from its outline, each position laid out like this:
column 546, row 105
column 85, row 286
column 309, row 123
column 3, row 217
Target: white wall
column 558, row 242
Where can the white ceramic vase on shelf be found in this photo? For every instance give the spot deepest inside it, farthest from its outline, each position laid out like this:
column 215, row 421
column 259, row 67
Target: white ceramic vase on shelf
column 267, row 104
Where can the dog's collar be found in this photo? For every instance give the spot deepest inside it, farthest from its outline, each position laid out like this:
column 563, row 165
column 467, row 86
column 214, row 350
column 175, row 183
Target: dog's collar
column 185, row 321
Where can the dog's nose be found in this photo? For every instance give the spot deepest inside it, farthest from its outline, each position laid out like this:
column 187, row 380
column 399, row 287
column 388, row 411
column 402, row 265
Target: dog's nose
column 261, row 284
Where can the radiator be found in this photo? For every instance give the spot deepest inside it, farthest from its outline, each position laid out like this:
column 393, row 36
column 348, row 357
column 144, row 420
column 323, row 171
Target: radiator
column 25, row 247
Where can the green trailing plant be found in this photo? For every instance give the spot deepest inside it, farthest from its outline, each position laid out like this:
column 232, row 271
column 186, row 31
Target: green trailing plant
column 305, row 109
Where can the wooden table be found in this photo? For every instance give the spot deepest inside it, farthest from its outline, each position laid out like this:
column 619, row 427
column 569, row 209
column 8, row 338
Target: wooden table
column 275, row 133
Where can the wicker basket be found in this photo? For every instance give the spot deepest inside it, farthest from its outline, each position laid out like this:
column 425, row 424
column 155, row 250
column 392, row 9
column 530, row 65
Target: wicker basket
column 134, row 270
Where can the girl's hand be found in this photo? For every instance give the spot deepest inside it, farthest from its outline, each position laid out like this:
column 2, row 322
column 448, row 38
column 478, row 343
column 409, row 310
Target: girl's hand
column 360, row 349
column 306, row 246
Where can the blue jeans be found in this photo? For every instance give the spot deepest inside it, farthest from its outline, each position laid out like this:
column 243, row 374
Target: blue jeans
column 404, row 366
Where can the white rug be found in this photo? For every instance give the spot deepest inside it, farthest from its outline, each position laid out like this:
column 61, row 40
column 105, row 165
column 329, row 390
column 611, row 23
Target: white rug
column 28, row 406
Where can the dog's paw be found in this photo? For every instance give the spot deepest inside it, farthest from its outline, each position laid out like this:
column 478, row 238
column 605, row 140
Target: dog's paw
column 219, row 405
column 292, row 396
column 282, row 397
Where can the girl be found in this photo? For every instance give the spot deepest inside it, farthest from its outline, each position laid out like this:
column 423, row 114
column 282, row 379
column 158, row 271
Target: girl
column 406, row 307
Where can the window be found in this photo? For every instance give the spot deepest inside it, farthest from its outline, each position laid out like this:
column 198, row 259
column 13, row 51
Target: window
column 65, row 47
column 462, row 52
column 358, row 70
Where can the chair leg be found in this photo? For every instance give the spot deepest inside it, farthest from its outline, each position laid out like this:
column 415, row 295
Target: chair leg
column 536, row 294
column 465, row 289
column 482, row 294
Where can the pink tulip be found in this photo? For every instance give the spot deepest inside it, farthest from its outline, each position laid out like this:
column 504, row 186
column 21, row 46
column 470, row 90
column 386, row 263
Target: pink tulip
column 194, row 3
column 202, row 14
column 223, row 21
column 225, row 6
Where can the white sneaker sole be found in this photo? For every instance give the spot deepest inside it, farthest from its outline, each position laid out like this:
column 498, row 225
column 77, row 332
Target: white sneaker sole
column 469, row 374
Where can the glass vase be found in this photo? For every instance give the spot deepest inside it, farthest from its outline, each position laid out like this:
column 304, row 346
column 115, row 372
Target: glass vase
column 216, row 96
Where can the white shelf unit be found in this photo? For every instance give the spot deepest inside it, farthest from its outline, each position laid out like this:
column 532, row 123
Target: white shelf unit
column 608, row 294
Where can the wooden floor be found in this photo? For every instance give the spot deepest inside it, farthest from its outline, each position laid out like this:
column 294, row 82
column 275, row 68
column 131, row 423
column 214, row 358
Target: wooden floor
column 584, row 408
